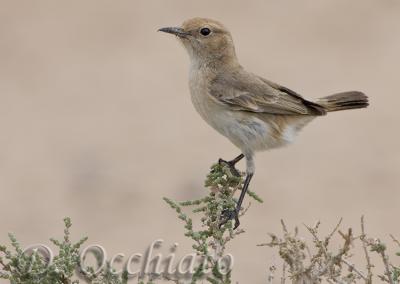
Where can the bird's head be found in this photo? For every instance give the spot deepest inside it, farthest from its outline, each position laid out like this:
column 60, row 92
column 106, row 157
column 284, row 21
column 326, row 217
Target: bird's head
column 206, row 40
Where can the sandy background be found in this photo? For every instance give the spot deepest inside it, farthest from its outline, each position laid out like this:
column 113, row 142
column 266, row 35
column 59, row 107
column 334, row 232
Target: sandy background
column 96, row 121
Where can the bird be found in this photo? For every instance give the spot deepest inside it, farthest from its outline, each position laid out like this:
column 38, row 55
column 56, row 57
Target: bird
column 254, row 113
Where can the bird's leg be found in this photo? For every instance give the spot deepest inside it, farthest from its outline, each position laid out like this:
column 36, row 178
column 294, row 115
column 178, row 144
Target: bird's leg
column 234, row 214
column 231, row 164
column 241, row 198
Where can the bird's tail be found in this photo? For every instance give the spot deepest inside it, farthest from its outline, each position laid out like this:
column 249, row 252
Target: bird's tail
column 342, row 101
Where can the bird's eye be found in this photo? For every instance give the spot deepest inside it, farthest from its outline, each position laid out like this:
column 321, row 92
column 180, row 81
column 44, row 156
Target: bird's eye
column 205, row 31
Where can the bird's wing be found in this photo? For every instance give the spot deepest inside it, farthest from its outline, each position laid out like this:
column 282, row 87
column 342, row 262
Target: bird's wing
column 247, row 92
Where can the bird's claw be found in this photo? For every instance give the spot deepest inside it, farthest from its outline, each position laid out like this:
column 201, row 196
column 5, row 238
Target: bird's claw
column 228, row 215
column 231, row 166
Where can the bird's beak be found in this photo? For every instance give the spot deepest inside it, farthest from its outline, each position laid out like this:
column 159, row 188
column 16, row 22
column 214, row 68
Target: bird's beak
column 175, row 31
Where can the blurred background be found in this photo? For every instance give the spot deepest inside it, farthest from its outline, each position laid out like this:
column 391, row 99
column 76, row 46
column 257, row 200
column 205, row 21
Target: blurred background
column 96, row 120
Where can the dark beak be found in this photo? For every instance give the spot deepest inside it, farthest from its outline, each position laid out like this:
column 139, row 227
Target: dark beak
column 175, row 31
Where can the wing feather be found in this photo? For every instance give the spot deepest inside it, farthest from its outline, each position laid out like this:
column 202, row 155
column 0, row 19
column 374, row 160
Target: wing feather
column 247, row 92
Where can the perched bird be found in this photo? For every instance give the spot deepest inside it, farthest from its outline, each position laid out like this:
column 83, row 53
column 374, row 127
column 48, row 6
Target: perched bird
column 254, row 113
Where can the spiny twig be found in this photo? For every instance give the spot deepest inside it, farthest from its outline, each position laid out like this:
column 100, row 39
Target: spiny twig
column 364, row 246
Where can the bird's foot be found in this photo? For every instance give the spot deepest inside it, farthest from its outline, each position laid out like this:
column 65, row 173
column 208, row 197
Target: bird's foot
column 231, row 165
column 228, row 215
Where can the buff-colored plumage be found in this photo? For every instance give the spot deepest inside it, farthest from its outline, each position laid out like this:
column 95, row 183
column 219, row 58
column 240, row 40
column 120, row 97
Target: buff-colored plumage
column 253, row 113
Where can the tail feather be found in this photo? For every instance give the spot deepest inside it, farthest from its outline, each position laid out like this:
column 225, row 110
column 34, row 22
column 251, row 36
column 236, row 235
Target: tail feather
column 342, row 101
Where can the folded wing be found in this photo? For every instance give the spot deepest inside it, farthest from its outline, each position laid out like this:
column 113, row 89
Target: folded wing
column 244, row 91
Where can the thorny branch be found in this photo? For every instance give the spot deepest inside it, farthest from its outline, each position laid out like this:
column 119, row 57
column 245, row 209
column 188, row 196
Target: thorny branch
column 312, row 264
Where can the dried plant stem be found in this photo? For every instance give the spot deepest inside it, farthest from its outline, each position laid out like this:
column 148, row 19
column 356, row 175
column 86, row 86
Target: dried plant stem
column 283, row 278
column 395, row 240
column 318, row 263
column 365, row 249
column 385, row 260
column 353, row 268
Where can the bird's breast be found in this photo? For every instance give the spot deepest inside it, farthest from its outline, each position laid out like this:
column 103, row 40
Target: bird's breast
column 202, row 101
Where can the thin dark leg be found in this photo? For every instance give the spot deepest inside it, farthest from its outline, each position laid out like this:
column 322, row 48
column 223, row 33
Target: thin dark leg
column 232, row 164
column 235, row 214
column 241, row 198
column 237, row 159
